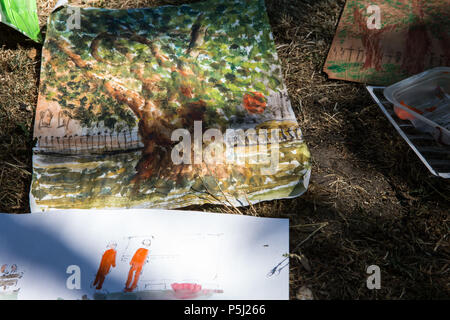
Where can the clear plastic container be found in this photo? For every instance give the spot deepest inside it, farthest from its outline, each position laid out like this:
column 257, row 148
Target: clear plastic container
column 424, row 99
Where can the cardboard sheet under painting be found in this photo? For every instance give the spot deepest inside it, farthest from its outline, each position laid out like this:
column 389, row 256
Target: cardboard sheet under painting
column 382, row 41
column 133, row 103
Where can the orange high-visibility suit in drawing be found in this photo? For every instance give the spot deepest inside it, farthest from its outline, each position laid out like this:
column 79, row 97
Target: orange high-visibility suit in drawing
column 137, row 263
column 108, row 261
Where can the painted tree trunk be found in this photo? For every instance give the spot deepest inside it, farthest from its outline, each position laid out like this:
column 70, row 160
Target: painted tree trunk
column 418, row 41
column 371, row 40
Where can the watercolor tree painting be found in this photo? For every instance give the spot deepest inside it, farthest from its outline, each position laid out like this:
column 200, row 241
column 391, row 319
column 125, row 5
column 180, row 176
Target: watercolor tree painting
column 159, row 70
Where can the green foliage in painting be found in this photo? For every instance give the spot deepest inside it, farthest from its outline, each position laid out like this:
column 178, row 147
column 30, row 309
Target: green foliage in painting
column 210, row 53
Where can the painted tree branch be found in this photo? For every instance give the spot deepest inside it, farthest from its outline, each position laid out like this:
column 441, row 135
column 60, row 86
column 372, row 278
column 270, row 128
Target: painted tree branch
column 116, row 90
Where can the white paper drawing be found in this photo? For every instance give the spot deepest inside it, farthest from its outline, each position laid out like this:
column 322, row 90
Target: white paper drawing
column 143, row 254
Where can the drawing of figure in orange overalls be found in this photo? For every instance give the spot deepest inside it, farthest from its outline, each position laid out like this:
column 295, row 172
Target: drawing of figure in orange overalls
column 137, row 263
column 3, row 269
column 108, row 261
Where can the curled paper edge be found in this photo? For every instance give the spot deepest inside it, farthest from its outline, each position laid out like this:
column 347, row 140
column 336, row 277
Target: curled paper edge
column 60, row 3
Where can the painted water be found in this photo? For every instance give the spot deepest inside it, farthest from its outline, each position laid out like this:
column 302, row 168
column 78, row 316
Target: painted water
column 105, row 181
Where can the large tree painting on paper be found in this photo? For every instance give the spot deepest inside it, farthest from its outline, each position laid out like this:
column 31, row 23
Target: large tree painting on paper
column 113, row 92
column 384, row 41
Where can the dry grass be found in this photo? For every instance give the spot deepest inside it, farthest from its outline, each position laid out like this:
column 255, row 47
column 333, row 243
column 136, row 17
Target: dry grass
column 18, row 81
column 371, row 201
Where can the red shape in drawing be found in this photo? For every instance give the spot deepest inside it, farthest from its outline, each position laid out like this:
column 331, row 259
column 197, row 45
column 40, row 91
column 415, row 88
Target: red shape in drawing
column 186, row 290
column 108, row 261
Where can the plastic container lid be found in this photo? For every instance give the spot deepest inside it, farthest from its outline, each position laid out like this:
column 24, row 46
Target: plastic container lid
column 424, row 99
